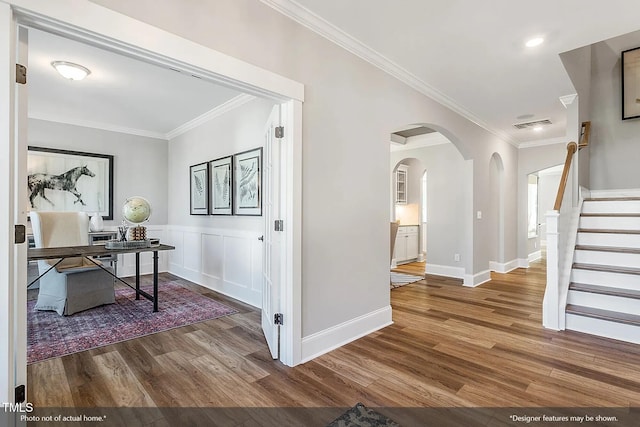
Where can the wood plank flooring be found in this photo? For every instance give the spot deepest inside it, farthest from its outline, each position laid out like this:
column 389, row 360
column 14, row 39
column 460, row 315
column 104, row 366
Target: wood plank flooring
column 449, row 346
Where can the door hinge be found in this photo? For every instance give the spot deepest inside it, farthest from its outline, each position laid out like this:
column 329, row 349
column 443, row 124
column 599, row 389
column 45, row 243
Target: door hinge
column 20, row 234
column 278, row 225
column 277, row 319
column 21, row 394
column 279, row 131
column 21, row 74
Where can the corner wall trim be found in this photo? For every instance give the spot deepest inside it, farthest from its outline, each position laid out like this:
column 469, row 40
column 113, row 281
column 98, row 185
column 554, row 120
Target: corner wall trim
column 473, row 280
column 504, row 267
column 336, row 336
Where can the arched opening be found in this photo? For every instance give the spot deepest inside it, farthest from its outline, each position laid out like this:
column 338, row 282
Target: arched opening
column 436, row 211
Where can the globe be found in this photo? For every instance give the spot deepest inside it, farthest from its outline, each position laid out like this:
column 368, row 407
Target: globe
column 136, row 210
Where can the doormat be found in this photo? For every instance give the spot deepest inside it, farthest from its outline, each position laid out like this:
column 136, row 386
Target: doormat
column 361, row 416
column 401, row 279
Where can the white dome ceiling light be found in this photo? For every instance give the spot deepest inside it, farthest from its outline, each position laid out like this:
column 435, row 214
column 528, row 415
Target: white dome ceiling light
column 71, row 71
column 536, row 41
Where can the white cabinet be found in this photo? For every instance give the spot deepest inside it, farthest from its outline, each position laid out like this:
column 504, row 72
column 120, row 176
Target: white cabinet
column 407, row 244
column 401, row 184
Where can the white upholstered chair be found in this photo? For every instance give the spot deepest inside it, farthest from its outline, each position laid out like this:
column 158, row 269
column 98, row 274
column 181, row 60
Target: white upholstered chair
column 75, row 284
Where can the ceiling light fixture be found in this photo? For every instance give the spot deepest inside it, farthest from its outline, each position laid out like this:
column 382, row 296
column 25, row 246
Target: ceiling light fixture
column 537, row 41
column 71, row 71
column 537, row 129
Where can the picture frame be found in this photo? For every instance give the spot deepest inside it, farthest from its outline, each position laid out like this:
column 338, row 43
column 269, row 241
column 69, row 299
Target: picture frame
column 630, row 66
column 199, row 189
column 65, row 180
column 247, row 187
column 221, row 184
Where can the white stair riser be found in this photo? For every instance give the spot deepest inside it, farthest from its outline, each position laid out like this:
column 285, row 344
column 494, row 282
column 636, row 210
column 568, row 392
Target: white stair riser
column 616, row 259
column 618, row 206
column 626, row 192
column 604, row 278
column 609, row 239
column 611, row 223
column 603, row 328
column 604, row 302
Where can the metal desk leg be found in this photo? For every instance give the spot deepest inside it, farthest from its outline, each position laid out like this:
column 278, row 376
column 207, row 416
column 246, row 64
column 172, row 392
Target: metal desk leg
column 155, row 281
column 137, row 275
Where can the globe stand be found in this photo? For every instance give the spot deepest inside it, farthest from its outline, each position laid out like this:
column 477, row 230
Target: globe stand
column 136, row 211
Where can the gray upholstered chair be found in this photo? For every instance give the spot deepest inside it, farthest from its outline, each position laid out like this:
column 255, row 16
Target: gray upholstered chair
column 75, row 284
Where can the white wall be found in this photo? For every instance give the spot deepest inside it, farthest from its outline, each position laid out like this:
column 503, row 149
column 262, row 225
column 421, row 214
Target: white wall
column 219, row 252
column 445, row 203
column 139, row 162
column 614, row 142
column 350, row 109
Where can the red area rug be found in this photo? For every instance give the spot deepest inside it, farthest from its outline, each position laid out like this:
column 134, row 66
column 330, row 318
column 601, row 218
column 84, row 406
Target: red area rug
column 51, row 335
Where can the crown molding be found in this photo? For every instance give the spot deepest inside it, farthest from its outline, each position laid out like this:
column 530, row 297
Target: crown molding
column 542, row 142
column 315, row 23
column 210, row 115
column 97, row 125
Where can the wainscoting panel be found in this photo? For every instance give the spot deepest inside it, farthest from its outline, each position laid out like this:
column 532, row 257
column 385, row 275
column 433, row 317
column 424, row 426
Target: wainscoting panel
column 225, row 260
column 127, row 262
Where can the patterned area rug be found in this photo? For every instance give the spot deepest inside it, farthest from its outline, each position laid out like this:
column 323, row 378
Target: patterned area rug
column 401, row 279
column 361, row 416
column 50, row 335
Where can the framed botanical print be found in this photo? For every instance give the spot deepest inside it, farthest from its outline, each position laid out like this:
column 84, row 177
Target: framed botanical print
column 630, row 65
column 247, row 167
column 221, row 177
column 199, row 188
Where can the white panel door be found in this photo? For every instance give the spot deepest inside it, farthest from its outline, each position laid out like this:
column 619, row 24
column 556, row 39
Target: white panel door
column 272, row 240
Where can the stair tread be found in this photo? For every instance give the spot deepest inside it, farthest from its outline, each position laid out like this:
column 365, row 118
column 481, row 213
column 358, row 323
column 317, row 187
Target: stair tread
column 605, row 290
column 606, row 268
column 598, row 313
column 611, row 214
column 608, row 249
column 607, row 231
column 613, row 199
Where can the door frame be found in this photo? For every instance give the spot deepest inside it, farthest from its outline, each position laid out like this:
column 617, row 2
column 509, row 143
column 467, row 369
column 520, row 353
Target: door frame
column 95, row 25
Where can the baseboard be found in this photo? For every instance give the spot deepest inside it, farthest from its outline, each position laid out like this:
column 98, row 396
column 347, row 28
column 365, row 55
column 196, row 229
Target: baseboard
column 444, row 270
column 523, row 262
column 336, row 336
column 535, row 256
column 473, row 280
column 504, row 267
column 217, row 285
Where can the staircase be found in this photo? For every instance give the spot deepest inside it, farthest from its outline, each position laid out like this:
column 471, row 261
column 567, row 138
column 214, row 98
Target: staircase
column 604, row 293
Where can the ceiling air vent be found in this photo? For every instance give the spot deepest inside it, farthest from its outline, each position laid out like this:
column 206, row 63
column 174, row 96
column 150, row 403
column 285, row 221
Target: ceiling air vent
column 527, row 125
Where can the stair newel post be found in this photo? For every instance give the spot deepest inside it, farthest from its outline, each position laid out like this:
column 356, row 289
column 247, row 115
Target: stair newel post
column 551, row 313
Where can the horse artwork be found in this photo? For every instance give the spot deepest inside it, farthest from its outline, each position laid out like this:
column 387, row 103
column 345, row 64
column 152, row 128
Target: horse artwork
column 38, row 182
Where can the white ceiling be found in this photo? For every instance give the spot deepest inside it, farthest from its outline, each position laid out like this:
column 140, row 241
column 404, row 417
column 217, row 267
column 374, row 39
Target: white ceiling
column 470, row 54
column 120, row 94
column 466, row 54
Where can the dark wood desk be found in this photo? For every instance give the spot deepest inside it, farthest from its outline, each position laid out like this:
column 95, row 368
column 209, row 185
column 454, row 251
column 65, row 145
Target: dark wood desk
column 34, row 254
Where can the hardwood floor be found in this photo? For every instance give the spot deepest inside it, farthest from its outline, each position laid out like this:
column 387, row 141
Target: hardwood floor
column 449, row 346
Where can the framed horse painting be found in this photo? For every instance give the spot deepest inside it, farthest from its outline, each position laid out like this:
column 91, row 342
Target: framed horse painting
column 63, row 180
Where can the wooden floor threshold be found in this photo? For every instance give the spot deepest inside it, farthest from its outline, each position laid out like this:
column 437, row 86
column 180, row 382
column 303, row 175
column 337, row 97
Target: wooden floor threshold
column 605, row 290
column 597, row 313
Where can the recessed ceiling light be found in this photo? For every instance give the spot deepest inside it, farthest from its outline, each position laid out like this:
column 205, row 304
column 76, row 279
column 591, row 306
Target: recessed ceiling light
column 71, row 71
column 534, row 42
column 537, row 129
